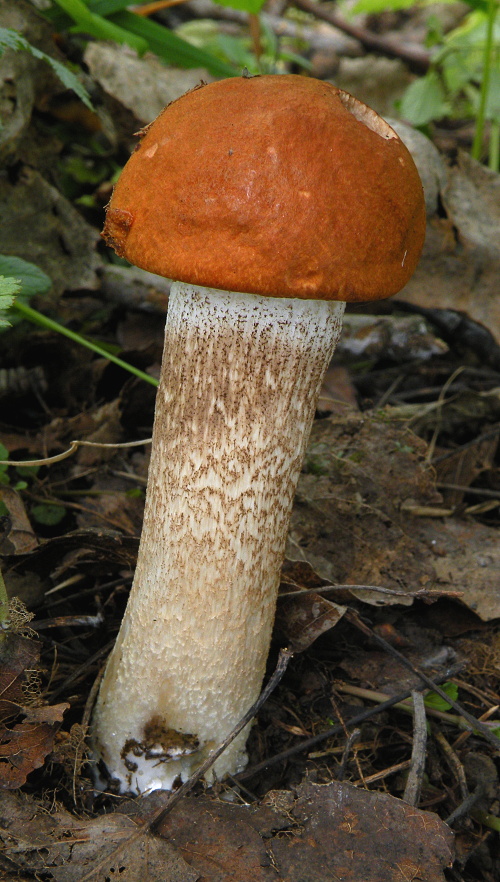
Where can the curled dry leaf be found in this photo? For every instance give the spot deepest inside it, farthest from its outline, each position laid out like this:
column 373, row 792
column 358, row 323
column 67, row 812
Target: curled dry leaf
column 24, row 747
column 301, row 620
column 19, row 537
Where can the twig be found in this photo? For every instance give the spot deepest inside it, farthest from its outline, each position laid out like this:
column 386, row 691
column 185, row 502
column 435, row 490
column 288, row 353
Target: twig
column 73, row 447
column 158, row 6
column 339, row 727
column 392, row 592
column 462, row 738
column 472, row 722
column 384, row 773
column 352, row 739
column 465, row 806
column 417, row 766
column 87, row 713
column 441, row 400
column 417, row 59
column 453, row 762
column 452, row 719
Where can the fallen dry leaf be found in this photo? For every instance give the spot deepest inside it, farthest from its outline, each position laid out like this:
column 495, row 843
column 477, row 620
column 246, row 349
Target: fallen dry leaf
column 17, row 655
column 66, row 849
column 19, row 537
column 333, row 831
column 143, row 85
column 353, row 522
column 460, row 265
column 60, row 241
column 348, row 521
column 24, row 743
column 24, row 747
column 351, row 834
column 466, row 558
column 320, row 832
column 301, row 620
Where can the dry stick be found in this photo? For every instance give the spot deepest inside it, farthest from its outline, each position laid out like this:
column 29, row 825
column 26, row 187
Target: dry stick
column 87, row 713
column 158, row 6
column 462, row 738
column 153, row 823
column 417, row 59
column 352, row 740
column 80, row 671
column 474, row 724
column 371, row 695
column 73, row 446
column 452, row 762
column 417, row 766
column 422, row 593
column 339, row 727
column 465, row 807
column 384, row 773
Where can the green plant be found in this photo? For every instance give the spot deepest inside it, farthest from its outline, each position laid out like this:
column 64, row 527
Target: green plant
column 46, row 513
column 9, row 287
column 22, row 280
column 239, row 51
column 10, row 39
column 463, row 80
column 22, row 471
column 111, row 19
column 436, row 702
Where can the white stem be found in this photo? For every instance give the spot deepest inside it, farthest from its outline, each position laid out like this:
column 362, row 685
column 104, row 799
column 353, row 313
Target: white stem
column 239, row 383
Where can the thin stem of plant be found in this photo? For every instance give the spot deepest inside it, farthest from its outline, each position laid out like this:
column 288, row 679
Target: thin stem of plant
column 32, row 315
column 477, row 144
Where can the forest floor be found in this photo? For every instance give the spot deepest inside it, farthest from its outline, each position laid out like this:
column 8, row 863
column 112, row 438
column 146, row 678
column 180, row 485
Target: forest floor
column 377, row 755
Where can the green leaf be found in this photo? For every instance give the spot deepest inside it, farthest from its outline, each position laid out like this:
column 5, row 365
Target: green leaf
column 31, row 278
column 4, row 454
column 374, row 7
column 252, row 6
column 424, row 100
column 99, row 27
column 10, row 39
column 48, row 514
column 8, row 289
column 160, row 40
column 493, row 102
column 170, row 47
column 435, row 701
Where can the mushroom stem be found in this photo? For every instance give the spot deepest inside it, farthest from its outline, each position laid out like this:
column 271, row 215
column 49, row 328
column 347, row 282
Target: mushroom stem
column 239, row 384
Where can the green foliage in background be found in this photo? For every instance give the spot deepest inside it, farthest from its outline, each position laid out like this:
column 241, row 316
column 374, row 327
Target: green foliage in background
column 206, row 33
column 464, row 77
column 96, row 17
column 10, row 39
column 9, row 287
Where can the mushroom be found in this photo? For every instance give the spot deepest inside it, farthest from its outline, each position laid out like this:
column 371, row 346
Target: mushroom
column 270, row 201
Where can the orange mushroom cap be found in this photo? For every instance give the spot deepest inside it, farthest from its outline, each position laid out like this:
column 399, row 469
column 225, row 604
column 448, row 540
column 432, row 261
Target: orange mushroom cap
column 275, row 185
